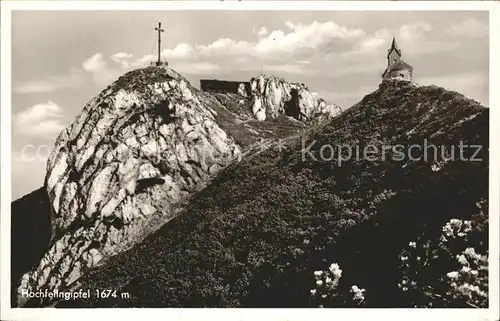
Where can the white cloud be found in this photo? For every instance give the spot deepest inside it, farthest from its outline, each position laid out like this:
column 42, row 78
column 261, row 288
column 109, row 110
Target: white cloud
column 181, row 51
column 263, row 32
column 94, row 63
column 414, row 32
column 303, row 37
column 469, row 28
column 372, row 44
column 39, row 113
column 224, row 47
column 108, row 71
column 348, row 49
column 299, row 43
column 40, row 120
column 269, row 44
column 72, row 80
column 143, row 61
column 416, row 39
column 99, row 68
column 120, row 56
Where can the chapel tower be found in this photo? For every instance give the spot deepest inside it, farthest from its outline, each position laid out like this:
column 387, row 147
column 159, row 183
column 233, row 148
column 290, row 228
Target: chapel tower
column 396, row 67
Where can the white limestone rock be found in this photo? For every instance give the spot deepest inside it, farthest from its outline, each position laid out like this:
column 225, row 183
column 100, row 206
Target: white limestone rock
column 133, row 154
column 242, row 90
column 273, row 96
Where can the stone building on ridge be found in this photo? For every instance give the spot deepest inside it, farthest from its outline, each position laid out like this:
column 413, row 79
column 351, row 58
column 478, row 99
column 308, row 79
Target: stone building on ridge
column 396, row 68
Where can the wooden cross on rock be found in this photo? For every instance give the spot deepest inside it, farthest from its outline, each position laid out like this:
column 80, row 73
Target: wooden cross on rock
column 160, row 30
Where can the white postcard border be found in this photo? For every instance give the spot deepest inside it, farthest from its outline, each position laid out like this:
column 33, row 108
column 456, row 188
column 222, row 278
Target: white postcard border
column 492, row 313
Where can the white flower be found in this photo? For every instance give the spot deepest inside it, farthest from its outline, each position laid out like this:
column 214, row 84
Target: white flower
column 318, row 273
column 319, row 283
column 474, row 272
column 455, row 222
column 328, row 280
column 465, row 269
column 470, row 252
column 465, row 288
column 313, row 292
column 452, row 275
column 435, row 167
column 453, row 228
column 335, row 269
column 462, row 260
column 412, row 244
column 357, row 293
column 356, row 289
column 323, row 296
column 467, row 226
column 447, row 230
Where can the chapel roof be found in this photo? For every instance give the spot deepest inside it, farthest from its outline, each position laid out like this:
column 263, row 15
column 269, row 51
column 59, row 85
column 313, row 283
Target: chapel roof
column 394, row 46
column 401, row 65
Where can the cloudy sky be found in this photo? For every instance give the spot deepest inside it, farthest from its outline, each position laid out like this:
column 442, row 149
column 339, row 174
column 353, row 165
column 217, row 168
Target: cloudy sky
column 62, row 59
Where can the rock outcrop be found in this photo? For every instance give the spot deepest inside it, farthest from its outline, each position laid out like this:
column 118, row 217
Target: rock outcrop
column 242, row 91
column 138, row 151
column 273, row 96
column 131, row 157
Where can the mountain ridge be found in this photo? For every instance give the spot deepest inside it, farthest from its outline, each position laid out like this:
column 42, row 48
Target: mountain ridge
column 254, row 237
column 133, row 158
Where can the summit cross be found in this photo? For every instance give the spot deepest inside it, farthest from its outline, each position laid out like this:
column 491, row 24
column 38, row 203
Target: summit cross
column 160, row 30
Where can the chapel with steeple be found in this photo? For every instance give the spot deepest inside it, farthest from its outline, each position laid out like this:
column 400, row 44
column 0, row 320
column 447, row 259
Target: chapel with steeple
column 396, row 67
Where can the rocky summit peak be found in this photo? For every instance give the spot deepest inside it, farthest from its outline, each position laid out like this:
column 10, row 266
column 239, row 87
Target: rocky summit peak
column 134, row 153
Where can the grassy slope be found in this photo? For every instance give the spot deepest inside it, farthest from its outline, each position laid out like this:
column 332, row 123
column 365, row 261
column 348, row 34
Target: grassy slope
column 235, row 117
column 256, row 234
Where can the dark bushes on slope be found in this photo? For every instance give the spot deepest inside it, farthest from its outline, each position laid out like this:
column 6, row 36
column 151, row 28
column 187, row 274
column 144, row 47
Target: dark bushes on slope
column 254, row 237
